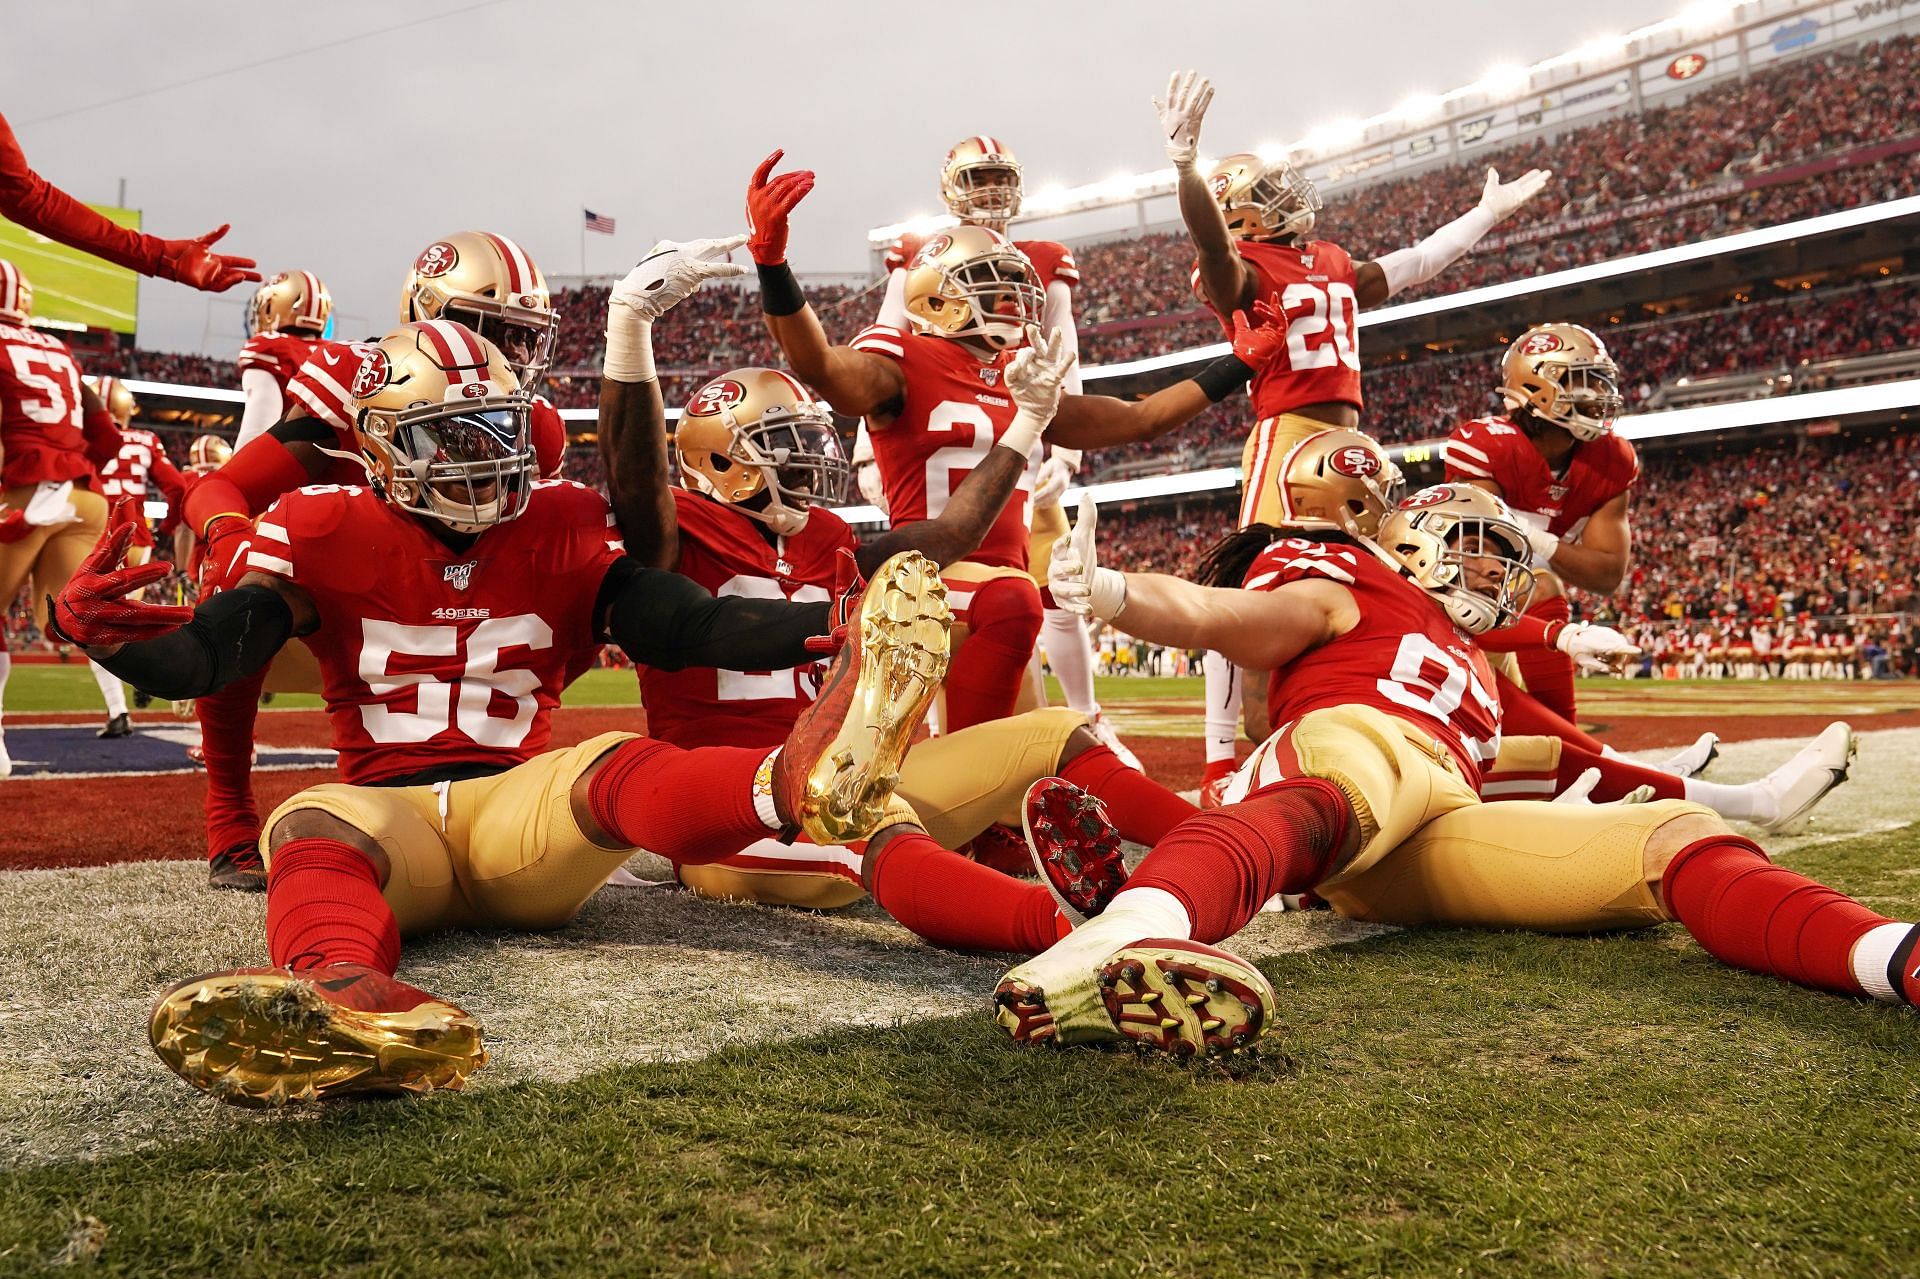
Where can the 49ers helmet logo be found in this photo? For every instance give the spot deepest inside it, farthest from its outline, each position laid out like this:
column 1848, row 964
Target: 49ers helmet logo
column 1541, row 343
column 1429, row 497
column 372, row 374
column 722, row 393
column 1355, row 463
column 1219, row 183
column 437, row 259
column 932, row 249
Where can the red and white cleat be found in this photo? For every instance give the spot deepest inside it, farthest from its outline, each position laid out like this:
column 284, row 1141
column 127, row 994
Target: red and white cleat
column 1073, row 846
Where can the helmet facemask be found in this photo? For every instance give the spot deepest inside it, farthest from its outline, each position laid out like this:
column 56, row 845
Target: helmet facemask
column 799, row 460
column 1281, row 202
column 1585, row 400
column 1477, row 566
column 1000, row 295
column 468, row 463
column 986, row 192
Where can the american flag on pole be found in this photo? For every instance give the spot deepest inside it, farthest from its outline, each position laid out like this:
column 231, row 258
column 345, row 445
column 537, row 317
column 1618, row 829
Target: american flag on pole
column 598, row 222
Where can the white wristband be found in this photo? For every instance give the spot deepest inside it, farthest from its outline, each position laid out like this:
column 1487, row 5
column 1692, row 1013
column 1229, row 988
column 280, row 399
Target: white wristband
column 1023, row 432
column 1106, row 593
column 629, row 355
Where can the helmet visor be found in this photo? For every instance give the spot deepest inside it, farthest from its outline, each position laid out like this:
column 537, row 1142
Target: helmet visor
column 1492, row 560
column 1590, row 399
column 473, row 465
column 808, row 465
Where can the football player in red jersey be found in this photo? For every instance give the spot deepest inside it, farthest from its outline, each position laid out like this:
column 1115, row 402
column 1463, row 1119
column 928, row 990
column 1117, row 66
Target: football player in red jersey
column 758, row 457
column 1367, row 795
column 1250, row 220
column 140, row 467
column 935, row 406
column 39, row 206
column 485, row 281
column 54, row 435
column 1555, row 459
column 450, row 601
column 286, row 321
column 980, row 183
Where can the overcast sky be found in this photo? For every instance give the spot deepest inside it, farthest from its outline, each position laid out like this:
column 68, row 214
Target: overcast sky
column 337, row 143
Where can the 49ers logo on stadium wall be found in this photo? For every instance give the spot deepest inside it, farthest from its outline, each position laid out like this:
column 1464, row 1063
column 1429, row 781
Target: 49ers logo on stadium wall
column 1541, row 343
column 1356, row 463
column 372, row 373
column 436, row 260
column 1429, row 497
column 1686, row 66
column 932, row 249
column 722, row 393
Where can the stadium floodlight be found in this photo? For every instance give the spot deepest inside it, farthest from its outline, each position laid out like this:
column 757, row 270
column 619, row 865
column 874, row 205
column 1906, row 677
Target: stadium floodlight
column 1704, row 15
column 1502, row 80
column 1421, row 108
column 1336, row 134
column 212, row 394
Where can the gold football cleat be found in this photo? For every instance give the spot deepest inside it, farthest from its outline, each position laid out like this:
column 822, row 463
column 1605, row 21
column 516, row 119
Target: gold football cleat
column 270, row 1036
column 841, row 762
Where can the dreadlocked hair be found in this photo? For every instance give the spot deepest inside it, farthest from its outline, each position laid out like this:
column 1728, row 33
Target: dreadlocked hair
column 1226, row 562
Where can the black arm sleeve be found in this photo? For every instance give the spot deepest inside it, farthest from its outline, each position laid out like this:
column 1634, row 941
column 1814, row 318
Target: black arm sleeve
column 668, row 621
column 232, row 635
column 303, row 430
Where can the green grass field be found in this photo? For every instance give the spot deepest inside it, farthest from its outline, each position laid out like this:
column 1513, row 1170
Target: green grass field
column 71, row 285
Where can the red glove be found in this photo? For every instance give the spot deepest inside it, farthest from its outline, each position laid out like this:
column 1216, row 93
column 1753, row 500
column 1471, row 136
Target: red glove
column 194, row 262
column 1257, row 347
column 225, row 539
column 93, row 611
column 768, row 204
column 848, row 587
column 14, row 527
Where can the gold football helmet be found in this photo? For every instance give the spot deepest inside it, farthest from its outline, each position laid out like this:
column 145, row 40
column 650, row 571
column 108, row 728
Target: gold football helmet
column 758, row 431
column 1263, row 201
column 444, row 426
column 16, row 294
column 970, row 282
column 119, row 401
column 488, row 283
column 207, row 453
column 1464, row 547
column 1561, row 373
column 1338, row 479
column 980, row 182
column 290, row 300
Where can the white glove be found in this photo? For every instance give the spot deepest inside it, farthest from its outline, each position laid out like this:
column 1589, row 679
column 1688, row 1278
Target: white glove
column 1595, row 649
column 1545, row 545
column 1050, row 485
column 1501, row 199
column 1188, row 95
column 867, row 476
column 1034, row 379
column 1078, row 584
column 667, row 275
column 1583, row 786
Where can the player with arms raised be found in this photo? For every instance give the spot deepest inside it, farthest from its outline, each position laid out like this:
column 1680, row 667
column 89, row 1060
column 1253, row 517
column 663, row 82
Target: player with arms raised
column 1250, row 220
column 449, row 604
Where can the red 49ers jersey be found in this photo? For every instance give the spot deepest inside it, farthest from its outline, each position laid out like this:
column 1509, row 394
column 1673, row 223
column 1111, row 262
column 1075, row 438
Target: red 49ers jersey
column 1316, row 286
column 40, row 410
column 1051, row 259
column 323, row 388
column 1493, row 448
column 279, row 355
column 956, row 407
column 432, row 658
column 1405, row 658
column 728, row 553
column 142, row 458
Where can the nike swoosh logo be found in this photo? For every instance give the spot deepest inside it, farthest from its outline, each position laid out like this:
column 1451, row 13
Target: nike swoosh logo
column 330, row 358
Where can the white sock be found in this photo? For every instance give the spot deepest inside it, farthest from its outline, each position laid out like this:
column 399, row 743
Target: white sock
column 1744, row 802
column 1070, row 653
column 112, row 691
column 1872, row 956
column 1223, row 706
column 1154, row 912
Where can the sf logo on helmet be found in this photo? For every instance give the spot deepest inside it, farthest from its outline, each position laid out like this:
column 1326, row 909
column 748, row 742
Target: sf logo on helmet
column 1429, row 497
column 1219, row 184
column 715, row 396
column 1541, row 343
column 932, row 249
column 438, row 259
column 1357, row 463
column 372, row 374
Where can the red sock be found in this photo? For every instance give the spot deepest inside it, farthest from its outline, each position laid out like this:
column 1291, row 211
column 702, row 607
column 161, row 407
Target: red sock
column 1524, row 715
column 1617, row 776
column 983, row 680
column 226, row 740
column 1225, row 863
column 1548, row 671
column 1764, row 918
column 1142, row 809
column 953, row 901
column 689, row 806
column 324, row 907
